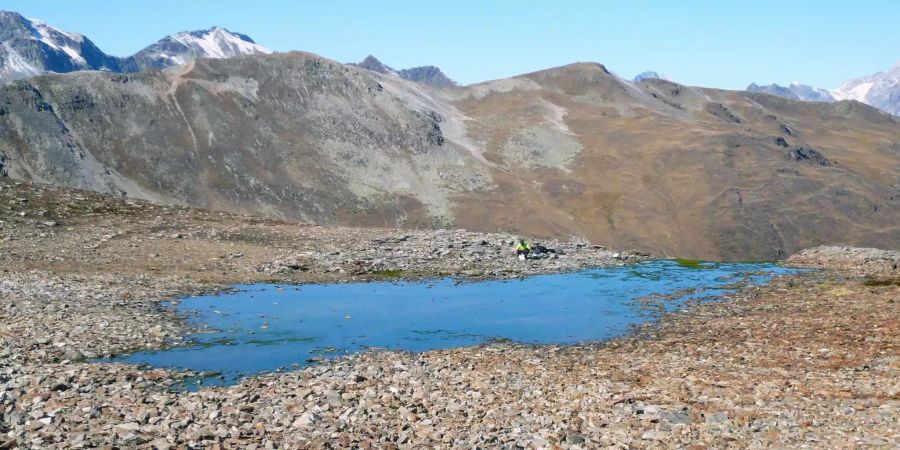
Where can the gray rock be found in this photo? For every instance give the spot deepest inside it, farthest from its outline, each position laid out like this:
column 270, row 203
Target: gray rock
column 333, row 398
column 718, row 417
column 676, row 417
column 575, row 438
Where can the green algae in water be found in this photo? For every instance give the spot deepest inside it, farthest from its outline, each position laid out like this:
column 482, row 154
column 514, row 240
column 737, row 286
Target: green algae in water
column 692, row 263
column 388, row 274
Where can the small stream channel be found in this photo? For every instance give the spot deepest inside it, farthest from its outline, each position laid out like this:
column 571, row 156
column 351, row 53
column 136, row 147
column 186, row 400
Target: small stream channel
column 265, row 327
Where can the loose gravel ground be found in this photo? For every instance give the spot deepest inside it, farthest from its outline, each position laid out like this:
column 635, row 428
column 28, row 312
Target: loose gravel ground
column 806, row 361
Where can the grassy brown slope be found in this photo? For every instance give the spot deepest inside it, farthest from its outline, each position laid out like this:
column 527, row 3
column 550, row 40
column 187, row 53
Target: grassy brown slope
column 694, row 172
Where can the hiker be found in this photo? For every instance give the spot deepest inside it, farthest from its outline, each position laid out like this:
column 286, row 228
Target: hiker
column 523, row 249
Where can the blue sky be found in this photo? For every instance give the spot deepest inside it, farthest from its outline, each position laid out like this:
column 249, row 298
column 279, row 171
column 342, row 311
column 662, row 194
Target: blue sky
column 725, row 44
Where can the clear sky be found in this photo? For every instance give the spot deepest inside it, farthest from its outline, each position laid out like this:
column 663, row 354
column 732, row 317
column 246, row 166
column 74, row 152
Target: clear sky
column 725, row 44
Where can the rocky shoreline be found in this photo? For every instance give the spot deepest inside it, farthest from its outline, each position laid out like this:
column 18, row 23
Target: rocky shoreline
column 775, row 366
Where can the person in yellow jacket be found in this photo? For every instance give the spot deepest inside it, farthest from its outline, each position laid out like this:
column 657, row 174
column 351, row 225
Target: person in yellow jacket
column 523, row 249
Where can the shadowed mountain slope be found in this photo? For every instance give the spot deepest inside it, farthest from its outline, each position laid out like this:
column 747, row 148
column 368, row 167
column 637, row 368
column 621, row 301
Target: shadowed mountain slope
column 570, row 151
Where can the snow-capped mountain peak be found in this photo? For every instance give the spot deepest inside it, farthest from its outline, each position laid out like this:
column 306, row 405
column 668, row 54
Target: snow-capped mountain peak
column 30, row 47
column 216, row 42
column 881, row 90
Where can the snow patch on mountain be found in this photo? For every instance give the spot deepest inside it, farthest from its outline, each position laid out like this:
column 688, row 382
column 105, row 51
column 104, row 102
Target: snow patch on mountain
column 857, row 92
column 15, row 65
column 47, row 30
column 57, row 40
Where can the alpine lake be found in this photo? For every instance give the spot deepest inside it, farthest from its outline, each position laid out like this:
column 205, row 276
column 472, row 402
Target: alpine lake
column 268, row 327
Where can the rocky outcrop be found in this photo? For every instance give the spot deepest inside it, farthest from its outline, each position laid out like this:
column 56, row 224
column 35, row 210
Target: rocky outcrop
column 810, row 155
column 429, row 75
column 372, row 63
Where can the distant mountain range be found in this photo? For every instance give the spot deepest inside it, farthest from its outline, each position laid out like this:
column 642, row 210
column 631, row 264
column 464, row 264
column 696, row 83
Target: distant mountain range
column 795, row 91
column 881, row 90
column 30, row 47
column 569, row 152
column 423, row 74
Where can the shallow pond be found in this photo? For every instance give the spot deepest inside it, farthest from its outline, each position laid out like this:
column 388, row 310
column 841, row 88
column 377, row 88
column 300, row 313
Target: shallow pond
column 266, row 327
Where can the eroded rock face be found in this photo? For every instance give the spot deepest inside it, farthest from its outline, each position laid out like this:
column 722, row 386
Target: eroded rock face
column 572, row 151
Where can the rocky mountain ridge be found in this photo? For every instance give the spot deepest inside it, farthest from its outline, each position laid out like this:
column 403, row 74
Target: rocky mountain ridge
column 795, row 91
column 573, row 152
column 429, row 75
